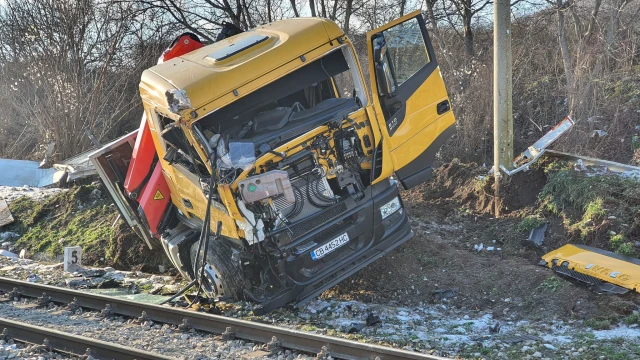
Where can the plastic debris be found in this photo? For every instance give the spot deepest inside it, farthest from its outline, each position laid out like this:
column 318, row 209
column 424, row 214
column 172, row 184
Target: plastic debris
column 536, row 236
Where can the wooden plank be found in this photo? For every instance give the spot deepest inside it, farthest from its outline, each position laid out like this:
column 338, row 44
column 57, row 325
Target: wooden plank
column 5, row 215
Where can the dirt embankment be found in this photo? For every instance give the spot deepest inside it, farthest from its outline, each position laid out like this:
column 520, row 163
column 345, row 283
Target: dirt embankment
column 451, row 216
column 83, row 216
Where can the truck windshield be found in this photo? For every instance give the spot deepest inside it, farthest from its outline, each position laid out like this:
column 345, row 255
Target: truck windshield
column 320, row 91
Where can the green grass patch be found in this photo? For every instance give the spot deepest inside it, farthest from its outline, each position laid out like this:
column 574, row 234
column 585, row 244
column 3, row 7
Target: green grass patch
column 70, row 216
column 75, row 218
column 551, row 284
column 529, row 223
column 633, row 319
column 598, row 323
column 591, row 204
column 626, row 249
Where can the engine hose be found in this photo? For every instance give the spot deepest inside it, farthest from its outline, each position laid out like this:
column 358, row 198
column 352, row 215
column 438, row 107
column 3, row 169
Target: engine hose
column 319, row 193
column 299, row 204
column 318, row 205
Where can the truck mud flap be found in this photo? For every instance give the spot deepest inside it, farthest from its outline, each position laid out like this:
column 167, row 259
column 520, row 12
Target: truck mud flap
column 605, row 270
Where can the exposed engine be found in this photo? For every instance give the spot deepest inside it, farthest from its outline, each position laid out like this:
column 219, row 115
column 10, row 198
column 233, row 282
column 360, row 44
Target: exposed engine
column 293, row 187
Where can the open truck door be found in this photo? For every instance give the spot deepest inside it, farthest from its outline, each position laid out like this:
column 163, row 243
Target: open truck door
column 409, row 97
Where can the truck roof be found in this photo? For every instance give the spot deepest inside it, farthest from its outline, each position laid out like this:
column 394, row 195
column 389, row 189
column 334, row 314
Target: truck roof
column 218, row 69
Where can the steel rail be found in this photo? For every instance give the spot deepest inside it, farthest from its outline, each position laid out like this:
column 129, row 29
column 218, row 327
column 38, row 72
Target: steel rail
column 74, row 344
column 247, row 330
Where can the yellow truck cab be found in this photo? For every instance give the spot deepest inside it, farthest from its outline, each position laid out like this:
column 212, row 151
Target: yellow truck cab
column 278, row 127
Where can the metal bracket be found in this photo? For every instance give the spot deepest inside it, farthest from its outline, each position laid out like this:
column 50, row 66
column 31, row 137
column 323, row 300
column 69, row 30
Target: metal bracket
column 535, row 151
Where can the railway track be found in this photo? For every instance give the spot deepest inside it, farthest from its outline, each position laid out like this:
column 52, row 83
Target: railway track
column 74, row 345
column 257, row 332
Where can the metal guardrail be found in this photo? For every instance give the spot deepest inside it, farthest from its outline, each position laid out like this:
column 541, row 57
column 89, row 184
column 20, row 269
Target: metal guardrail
column 58, row 341
column 589, row 161
column 248, row 330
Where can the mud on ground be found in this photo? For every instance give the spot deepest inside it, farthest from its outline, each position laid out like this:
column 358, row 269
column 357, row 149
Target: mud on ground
column 452, row 214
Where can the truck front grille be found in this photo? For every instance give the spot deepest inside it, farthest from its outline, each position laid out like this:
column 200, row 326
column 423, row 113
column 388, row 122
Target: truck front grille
column 286, row 235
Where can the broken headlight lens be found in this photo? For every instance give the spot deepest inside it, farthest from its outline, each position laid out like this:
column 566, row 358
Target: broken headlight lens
column 389, row 208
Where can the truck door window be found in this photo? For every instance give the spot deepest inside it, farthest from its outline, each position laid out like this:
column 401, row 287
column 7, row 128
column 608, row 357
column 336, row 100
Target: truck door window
column 403, row 61
column 406, row 50
column 348, row 83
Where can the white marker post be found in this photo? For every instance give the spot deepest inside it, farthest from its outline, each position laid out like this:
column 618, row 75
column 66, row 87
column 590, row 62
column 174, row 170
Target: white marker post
column 72, row 258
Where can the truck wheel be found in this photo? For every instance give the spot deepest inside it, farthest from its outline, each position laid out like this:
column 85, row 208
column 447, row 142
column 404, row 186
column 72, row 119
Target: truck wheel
column 223, row 271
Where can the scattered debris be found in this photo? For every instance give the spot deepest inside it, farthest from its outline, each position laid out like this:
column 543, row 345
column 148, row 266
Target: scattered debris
column 478, row 247
column 30, row 173
column 8, row 254
column 184, row 327
column 354, row 327
column 5, row 214
column 514, row 339
column 600, row 133
column 324, row 354
column 107, row 311
column 536, row 236
column 445, row 293
column 8, row 235
column 372, row 319
column 274, row 346
column 495, row 328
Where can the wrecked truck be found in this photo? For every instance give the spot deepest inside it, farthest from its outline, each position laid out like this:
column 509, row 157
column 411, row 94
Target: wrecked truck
column 264, row 165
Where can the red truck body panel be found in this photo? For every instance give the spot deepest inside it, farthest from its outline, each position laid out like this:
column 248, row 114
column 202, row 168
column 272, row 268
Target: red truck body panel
column 154, row 200
column 145, row 182
column 144, row 154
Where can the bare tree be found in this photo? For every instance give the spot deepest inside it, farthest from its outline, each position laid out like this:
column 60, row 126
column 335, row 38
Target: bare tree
column 67, row 70
column 463, row 12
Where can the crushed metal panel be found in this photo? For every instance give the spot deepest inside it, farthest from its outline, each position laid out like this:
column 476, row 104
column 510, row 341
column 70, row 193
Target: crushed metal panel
column 533, row 153
column 5, row 214
column 23, row 172
column 587, row 263
column 78, row 166
column 115, row 189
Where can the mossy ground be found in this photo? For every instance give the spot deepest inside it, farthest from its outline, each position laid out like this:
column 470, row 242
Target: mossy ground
column 600, row 210
column 81, row 219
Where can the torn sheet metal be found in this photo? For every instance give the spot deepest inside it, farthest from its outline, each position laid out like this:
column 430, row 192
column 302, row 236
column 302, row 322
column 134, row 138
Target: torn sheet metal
column 5, row 214
column 533, row 153
column 78, row 166
column 604, row 269
column 113, row 181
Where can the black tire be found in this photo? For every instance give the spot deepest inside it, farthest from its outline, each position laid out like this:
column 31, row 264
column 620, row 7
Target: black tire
column 224, row 260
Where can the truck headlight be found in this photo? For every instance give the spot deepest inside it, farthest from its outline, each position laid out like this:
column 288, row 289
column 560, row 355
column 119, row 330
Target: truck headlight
column 389, row 208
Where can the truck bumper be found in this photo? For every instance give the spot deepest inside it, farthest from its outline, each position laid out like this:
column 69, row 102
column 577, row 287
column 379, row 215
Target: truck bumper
column 370, row 237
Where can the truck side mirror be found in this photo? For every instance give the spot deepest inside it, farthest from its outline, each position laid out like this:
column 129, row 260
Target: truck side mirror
column 383, row 78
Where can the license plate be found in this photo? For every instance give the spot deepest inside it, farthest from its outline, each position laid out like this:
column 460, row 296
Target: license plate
column 330, row 246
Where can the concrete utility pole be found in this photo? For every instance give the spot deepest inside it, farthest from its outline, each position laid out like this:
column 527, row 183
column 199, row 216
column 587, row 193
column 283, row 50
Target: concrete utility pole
column 502, row 104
